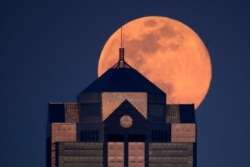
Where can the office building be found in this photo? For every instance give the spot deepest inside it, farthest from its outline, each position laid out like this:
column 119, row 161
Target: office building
column 121, row 120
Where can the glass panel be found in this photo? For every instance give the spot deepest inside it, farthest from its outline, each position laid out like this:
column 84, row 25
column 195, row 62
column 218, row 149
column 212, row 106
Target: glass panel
column 80, row 154
column 136, row 151
column 72, row 111
column 115, row 154
column 183, row 133
column 63, row 132
column 89, row 135
column 173, row 113
column 171, row 154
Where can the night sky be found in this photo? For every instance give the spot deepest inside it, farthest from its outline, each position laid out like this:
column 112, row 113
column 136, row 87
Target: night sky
column 50, row 49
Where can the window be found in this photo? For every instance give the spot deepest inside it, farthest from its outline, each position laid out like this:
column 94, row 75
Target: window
column 89, row 135
column 159, row 136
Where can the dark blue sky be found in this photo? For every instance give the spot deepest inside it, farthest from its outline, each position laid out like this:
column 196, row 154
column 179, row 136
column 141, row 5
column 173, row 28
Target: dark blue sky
column 50, row 50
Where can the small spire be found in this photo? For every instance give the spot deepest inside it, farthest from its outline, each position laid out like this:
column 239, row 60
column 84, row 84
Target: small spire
column 121, row 62
column 121, row 52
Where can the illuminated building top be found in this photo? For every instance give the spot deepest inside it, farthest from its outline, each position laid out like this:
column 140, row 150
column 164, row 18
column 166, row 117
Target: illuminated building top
column 121, row 120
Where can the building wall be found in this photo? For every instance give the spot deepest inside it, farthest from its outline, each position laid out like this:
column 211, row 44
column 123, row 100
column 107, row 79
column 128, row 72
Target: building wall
column 90, row 107
column 123, row 129
column 76, row 154
column 61, row 132
column 171, row 154
column 90, row 154
column 183, row 133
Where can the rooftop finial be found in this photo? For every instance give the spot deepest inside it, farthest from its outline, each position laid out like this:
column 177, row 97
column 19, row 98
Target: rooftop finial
column 121, row 52
column 121, row 62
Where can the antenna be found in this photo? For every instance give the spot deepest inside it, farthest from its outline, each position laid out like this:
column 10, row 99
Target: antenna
column 121, row 38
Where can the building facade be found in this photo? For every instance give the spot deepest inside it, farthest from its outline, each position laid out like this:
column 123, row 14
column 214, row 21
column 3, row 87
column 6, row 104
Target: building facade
column 121, row 120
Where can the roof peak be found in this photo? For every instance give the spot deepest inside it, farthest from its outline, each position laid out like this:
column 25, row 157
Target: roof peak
column 121, row 62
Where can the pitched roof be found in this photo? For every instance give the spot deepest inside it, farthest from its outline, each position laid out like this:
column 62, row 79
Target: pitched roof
column 122, row 80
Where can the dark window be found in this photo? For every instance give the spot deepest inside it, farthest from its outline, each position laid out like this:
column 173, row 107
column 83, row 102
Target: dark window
column 89, row 135
column 136, row 138
column 159, row 136
column 115, row 137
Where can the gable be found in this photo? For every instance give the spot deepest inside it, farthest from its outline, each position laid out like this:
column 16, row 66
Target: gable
column 113, row 123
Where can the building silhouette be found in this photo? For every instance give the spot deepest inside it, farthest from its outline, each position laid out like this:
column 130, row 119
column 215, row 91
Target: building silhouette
column 121, row 120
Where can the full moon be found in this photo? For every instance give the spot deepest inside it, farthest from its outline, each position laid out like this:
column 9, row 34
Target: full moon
column 167, row 52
